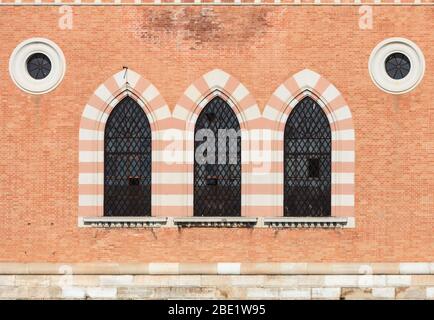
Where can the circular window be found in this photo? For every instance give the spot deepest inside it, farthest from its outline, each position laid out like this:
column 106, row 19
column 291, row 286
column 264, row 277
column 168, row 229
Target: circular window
column 37, row 65
column 396, row 65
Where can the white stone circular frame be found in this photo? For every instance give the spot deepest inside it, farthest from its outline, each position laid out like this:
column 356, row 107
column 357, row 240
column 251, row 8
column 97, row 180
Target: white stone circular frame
column 18, row 65
column 377, row 68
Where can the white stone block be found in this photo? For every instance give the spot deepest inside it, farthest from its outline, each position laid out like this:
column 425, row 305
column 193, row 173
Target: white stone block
column 295, row 293
column 122, row 280
column 90, row 200
column 73, row 293
column 343, row 135
column 252, row 113
column 326, row 293
column 101, row 293
column 338, row 177
column 90, row 135
column 398, row 280
column 171, row 200
column 216, row 78
column 90, row 178
column 150, row 93
column 283, row 93
column 342, row 200
column 430, row 293
column 330, row 93
column 228, row 268
column 103, row 93
column 180, row 113
column 240, row 92
column 95, row 114
column 343, row 156
column 306, row 78
column 414, row 268
column 340, row 114
column 247, row 280
column 7, row 280
column 271, row 113
column 91, row 156
column 384, row 293
column 162, row 113
column 341, row 281
column 163, row 268
column 262, row 293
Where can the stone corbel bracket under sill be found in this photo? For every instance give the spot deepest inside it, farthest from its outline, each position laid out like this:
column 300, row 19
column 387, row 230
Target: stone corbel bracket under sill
column 217, row 222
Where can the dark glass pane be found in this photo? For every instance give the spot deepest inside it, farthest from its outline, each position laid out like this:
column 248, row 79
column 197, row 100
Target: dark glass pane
column 38, row 66
column 397, row 65
column 217, row 186
column 127, row 161
column 307, row 159
column 313, row 168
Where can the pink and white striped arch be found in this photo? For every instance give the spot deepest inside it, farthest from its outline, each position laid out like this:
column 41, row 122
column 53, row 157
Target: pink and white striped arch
column 186, row 112
column 276, row 112
column 91, row 136
column 173, row 141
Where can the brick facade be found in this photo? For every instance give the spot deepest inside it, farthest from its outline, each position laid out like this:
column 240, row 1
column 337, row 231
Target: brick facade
column 258, row 47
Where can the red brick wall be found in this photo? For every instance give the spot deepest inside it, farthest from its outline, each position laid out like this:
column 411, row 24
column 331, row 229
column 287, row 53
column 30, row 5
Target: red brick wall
column 261, row 47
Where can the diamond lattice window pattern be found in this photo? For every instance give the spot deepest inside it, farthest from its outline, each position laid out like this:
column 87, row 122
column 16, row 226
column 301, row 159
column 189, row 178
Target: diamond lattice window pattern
column 217, row 187
column 127, row 161
column 307, row 159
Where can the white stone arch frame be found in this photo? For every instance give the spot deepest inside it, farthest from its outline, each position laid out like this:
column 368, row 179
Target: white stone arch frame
column 188, row 108
column 278, row 108
column 91, row 135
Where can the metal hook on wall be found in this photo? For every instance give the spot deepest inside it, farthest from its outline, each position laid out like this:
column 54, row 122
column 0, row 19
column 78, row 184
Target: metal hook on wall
column 126, row 75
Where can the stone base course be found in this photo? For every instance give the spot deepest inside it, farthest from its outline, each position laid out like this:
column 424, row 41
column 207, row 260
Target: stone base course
column 217, row 286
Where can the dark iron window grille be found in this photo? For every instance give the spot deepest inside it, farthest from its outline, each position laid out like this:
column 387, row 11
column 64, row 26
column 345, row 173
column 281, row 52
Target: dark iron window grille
column 307, row 159
column 397, row 65
column 127, row 161
column 217, row 187
column 38, row 66
column 313, row 167
column 210, row 116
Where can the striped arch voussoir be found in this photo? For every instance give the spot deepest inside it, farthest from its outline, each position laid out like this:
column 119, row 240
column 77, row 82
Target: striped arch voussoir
column 216, row 82
column 92, row 124
column 195, row 98
column 310, row 83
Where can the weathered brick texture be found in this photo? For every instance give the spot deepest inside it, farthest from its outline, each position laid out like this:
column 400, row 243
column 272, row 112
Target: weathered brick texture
column 261, row 47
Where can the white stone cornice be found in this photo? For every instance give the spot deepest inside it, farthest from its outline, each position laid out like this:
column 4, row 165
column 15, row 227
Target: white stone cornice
column 331, row 270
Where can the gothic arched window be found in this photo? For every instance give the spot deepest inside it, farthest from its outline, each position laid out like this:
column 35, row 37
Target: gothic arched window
column 127, row 161
column 217, row 178
column 307, row 161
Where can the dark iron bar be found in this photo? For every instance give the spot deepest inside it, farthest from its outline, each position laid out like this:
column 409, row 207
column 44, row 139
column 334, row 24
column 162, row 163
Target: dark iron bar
column 217, row 187
column 307, row 181
column 127, row 161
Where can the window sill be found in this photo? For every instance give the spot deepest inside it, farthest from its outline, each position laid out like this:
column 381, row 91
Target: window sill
column 309, row 222
column 122, row 222
column 217, row 222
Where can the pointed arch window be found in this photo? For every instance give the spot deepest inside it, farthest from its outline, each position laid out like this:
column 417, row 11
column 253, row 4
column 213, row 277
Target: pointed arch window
column 127, row 161
column 307, row 161
column 217, row 186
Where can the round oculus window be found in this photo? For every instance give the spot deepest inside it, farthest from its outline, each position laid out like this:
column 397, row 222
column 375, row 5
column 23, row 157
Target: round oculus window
column 396, row 65
column 38, row 66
